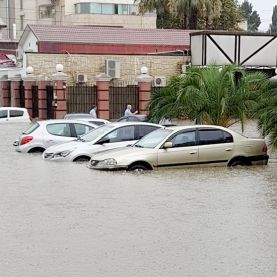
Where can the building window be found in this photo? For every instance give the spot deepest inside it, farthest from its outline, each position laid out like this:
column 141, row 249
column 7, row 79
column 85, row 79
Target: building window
column 46, row 11
column 105, row 8
column 96, row 8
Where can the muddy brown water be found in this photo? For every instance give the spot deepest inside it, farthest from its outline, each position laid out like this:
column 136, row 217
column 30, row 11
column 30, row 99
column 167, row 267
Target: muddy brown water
column 63, row 219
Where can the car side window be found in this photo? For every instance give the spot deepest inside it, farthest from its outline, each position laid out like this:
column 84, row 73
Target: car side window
column 184, row 139
column 4, row 114
column 143, row 130
column 59, row 129
column 121, row 134
column 16, row 113
column 82, row 129
column 228, row 137
column 212, row 136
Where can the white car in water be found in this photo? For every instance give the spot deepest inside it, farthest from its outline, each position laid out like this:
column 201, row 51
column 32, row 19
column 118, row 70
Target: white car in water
column 14, row 114
column 105, row 137
column 46, row 133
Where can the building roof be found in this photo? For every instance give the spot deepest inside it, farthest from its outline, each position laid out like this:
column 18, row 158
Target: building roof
column 110, row 35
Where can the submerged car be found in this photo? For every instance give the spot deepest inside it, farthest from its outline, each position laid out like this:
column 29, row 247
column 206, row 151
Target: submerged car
column 105, row 137
column 185, row 146
column 49, row 132
column 14, row 114
column 135, row 117
column 86, row 117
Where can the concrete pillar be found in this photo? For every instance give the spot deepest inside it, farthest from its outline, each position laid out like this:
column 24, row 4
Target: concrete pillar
column 145, row 86
column 42, row 98
column 5, row 97
column 60, row 93
column 15, row 94
column 103, row 96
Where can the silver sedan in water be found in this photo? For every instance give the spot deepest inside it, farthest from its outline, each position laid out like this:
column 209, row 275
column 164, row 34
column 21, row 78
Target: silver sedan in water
column 185, row 146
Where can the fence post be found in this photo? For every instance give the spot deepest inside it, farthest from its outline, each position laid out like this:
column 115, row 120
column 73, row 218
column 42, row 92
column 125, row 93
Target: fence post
column 60, row 92
column 4, row 91
column 28, row 82
column 102, row 95
column 145, row 85
column 42, row 98
column 15, row 87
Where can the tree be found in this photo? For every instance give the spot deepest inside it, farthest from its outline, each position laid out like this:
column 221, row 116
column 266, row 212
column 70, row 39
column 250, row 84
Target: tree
column 273, row 26
column 253, row 22
column 210, row 96
column 266, row 114
column 252, row 17
column 246, row 9
column 185, row 11
column 229, row 17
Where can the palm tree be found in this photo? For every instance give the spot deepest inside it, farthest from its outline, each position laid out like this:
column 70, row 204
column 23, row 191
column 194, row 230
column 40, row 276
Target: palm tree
column 266, row 114
column 210, row 96
column 187, row 11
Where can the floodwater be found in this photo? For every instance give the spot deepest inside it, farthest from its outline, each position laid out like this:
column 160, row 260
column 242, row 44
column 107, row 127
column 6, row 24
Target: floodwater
column 65, row 220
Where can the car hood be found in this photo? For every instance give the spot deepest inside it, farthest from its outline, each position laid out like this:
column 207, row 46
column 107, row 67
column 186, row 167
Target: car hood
column 122, row 153
column 66, row 146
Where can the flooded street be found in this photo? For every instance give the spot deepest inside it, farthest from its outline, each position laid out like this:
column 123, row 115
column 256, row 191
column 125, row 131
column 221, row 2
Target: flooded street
column 63, row 219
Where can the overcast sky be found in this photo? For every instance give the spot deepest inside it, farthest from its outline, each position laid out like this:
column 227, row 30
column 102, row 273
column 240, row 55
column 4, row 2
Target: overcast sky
column 264, row 9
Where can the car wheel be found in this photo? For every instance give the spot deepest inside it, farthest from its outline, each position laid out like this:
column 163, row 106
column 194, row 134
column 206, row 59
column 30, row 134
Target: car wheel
column 239, row 162
column 81, row 159
column 36, row 150
column 137, row 168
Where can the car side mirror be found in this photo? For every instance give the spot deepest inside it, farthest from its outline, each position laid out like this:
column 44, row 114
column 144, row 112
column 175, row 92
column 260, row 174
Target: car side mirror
column 168, row 144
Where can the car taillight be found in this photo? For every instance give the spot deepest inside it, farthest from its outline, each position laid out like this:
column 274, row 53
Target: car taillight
column 26, row 140
column 264, row 148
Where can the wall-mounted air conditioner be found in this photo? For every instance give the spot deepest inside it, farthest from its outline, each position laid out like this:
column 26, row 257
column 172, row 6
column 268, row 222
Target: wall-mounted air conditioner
column 112, row 68
column 159, row 81
column 81, row 78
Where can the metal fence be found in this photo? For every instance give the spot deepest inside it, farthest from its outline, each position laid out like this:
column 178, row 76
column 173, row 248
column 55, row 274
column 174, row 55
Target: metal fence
column 21, row 95
column 80, row 99
column 120, row 97
column 50, row 101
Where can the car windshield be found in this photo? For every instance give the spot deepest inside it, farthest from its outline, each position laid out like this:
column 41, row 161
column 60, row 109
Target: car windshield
column 153, row 139
column 94, row 134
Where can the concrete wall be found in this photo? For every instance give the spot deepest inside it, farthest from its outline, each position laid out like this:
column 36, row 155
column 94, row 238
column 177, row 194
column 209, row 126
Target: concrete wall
column 93, row 65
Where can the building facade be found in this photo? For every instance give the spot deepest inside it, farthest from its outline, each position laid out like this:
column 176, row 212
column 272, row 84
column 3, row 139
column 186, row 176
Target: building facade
column 17, row 14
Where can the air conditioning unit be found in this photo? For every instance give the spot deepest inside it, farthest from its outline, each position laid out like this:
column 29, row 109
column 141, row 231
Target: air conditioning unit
column 112, row 68
column 159, row 81
column 81, row 78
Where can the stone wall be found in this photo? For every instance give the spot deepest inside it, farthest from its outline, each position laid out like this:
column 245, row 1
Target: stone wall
column 93, row 65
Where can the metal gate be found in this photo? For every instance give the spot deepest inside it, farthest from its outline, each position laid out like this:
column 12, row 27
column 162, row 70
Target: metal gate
column 21, row 95
column 35, row 101
column 49, row 102
column 80, row 99
column 120, row 97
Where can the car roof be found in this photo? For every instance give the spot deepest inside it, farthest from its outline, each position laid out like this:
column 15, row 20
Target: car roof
column 179, row 128
column 126, row 123
column 51, row 121
column 13, row 108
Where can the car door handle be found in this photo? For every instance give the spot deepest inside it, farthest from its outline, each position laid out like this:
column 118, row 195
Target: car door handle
column 228, row 149
column 193, row 152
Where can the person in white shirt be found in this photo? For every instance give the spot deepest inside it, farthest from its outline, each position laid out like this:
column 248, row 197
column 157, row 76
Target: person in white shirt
column 93, row 112
column 128, row 111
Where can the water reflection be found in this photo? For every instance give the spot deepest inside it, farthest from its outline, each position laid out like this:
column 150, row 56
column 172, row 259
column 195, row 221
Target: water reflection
column 62, row 219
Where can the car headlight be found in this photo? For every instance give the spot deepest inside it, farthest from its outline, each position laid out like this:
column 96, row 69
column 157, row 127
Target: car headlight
column 107, row 163
column 62, row 154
